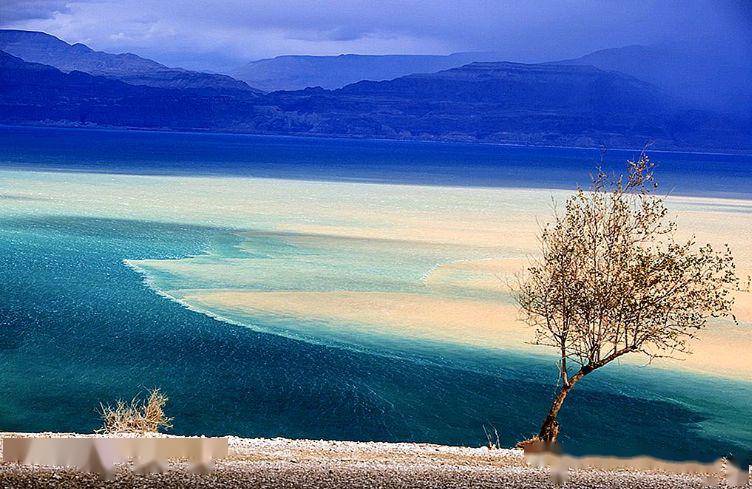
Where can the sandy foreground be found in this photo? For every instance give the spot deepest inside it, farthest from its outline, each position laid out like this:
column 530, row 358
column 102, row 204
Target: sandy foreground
column 281, row 463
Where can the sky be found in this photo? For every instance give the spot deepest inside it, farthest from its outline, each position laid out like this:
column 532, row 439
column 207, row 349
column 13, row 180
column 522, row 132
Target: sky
column 217, row 34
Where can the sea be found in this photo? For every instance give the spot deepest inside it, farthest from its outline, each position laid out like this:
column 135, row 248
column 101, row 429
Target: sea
column 131, row 260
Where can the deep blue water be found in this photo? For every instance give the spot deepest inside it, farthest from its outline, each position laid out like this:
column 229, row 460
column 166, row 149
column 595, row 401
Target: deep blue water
column 77, row 327
column 405, row 162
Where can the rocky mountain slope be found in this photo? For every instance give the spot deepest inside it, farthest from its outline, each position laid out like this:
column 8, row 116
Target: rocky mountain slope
column 331, row 72
column 483, row 102
column 38, row 47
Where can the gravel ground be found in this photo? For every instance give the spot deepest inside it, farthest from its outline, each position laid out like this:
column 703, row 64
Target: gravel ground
column 282, row 463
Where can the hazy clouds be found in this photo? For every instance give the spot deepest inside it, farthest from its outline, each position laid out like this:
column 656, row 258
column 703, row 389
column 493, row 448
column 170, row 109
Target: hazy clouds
column 213, row 33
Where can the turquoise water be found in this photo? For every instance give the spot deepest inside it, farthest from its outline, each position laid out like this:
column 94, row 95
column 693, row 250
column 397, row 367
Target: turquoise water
column 78, row 326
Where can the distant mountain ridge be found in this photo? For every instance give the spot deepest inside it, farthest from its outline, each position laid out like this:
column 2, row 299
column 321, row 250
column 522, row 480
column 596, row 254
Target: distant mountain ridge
column 39, row 47
column 523, row 85
column 38, row 93
column 566, row 105
column 509, row 103
column 710, row 76
column 707, row 77
column 331, row 72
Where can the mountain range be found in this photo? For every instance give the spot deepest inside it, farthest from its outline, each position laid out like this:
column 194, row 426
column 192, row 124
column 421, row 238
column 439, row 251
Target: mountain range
column 569, row 103
column 38, row 93
column 709, row 76
column 299, row 72
column 39, row 47
column 508, row 103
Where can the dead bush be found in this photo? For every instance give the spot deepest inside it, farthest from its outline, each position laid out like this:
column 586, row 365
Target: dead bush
column 138, row 416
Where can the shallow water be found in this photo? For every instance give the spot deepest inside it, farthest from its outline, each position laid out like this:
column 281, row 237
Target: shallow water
column 80, row 326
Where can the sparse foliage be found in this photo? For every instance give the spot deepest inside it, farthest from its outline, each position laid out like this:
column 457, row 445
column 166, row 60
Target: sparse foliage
column 138, row 416
column 612, row 279
column 492, row 436
column 746, row 286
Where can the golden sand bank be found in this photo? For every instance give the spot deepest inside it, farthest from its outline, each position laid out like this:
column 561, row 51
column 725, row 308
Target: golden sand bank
column 720, row 349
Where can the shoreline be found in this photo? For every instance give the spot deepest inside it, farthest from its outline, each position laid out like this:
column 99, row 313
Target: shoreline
column 745, row 152
column 729, row 198
column 282, row 462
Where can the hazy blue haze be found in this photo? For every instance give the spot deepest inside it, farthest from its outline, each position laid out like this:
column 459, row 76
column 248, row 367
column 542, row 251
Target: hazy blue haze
column 217, row 34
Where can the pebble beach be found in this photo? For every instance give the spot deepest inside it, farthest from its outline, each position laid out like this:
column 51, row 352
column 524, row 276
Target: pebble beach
column 285, row 463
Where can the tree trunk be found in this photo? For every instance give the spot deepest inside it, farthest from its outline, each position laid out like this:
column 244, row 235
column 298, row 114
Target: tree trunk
column 549, row 431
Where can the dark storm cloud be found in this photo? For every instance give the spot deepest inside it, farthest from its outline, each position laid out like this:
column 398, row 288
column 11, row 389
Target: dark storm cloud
column 213, row 31
column 22, row 10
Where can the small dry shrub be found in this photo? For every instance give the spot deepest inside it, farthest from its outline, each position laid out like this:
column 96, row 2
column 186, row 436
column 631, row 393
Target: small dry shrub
column 492, row 435
column 138, row 416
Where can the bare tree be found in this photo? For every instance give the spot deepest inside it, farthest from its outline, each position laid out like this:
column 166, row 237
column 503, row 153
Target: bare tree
column 612, row 280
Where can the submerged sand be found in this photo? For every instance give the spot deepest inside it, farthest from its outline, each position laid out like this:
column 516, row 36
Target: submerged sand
column 472, row 241
column 484, row 324
column 416, row 316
